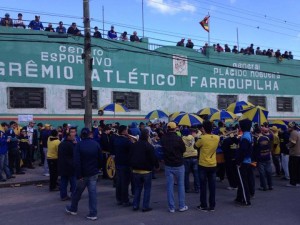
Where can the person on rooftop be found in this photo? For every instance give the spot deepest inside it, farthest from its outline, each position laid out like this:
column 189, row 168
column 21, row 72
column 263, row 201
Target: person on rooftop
column 74, row 30
column 181, row 42
column 291, row 55
column 36, row 24
column 235, row 50
column 61, row 29
column 6, row 21
column 123, row 36
column 227, row 49
column 219, row 48
column 97, row 33
column 134, row 37
column 112, row 34
column 49, row 28
column 189, row 44
column 19, row 23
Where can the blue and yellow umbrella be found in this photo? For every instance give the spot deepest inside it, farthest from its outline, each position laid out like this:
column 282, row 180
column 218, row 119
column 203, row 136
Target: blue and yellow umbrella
column 188, row 119
column 114, row 107
column 156, row 114
column 238, row 107
column 222, row 115
column 256, row 114
column 207, row 111
column 279, row 124
column 175, row 114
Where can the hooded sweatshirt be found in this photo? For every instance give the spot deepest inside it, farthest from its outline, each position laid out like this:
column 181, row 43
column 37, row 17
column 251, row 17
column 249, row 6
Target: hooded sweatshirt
column 189, row 142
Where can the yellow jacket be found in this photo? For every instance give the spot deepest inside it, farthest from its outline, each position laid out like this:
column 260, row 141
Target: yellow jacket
column 53, row 143
column 189, row 142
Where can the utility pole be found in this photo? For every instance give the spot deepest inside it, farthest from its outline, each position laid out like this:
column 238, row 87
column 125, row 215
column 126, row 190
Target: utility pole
column 87, row 65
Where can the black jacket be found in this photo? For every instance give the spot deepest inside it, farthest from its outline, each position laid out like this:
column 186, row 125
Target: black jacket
column 66, row 159
column 121, row 148
column 173, row 148
column 142, row 157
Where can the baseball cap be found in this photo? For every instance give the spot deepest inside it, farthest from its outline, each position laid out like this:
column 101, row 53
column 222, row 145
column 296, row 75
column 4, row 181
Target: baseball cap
column 20, row 14
column 85, row 131
column 6, row 14
column 47, row 125
column 32, row 121
column 172, row 125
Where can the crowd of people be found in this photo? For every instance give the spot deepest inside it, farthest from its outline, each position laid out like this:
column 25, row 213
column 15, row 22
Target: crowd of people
column 207, row 151
column 36, row 24
column 249, row 51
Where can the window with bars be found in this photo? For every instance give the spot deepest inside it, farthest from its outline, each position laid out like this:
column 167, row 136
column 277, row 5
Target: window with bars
column 284, row 104
column 258, row 100
column 129, row 99
column 76, row 99
column 225, row 100
column 21, row 97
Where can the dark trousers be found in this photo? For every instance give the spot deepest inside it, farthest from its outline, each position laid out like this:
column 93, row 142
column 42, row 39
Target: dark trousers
column 276, row 162
column 42, row 154
column 207, row 175
column 243, row 193
column 142, row 181
column 123, row 177
column 231, row 173
column 14, row 159
column 294, row 170
column 221, row 171
column 52, row 163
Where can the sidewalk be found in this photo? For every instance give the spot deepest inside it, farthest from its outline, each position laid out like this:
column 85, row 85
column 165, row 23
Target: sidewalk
column 31, row 176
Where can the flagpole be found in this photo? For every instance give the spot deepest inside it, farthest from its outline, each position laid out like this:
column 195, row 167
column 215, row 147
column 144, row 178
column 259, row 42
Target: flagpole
column 237, row 38
column 208, row 30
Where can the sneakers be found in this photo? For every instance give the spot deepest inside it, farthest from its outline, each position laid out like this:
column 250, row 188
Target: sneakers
column 65, row 198
column 171, row 210
column 231, row 188
column 146, row 209
column 184, row 208
column 204, row 209
column 68, row 210
column 91, row 217
column 46, row 174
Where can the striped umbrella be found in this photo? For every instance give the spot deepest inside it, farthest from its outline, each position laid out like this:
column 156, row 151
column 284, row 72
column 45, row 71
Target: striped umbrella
column 175, row 114
column 155, row 114
column 222, row 115
column 188, row 119
column 256, row 114
column 114, row 107
column 237, row 107
column 279, row 124
column 207, row 111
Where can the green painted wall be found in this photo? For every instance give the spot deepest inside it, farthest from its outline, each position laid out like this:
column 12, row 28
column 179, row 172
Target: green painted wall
column 34, row 57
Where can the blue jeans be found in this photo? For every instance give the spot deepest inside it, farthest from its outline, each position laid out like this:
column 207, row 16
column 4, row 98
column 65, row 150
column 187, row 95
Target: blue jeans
column 64, row 180
column 178, row 173
column 191, row 164
column 4, row 166
column 265, row 172
column 142, row 181
column 207, row 175
column 91, row 184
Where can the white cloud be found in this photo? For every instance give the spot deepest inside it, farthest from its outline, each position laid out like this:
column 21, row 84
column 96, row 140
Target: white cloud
column 232, row 1
column 171, row 7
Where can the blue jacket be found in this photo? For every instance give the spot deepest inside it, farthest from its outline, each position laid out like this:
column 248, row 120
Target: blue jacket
column 34, row 25
column 244, row 153
column 121, row 149
column 134, row 130
column 3, row 143
column 87, row 158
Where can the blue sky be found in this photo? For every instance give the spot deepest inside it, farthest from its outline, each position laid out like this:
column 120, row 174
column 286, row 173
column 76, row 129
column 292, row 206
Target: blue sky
column 265, row 23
